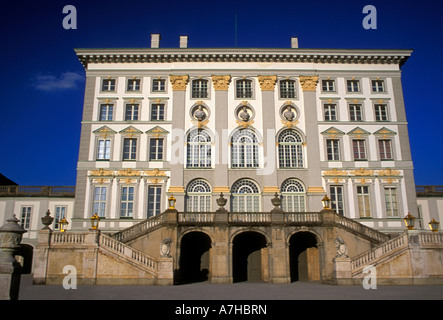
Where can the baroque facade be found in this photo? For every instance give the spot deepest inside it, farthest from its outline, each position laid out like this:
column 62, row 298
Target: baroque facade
column 246, row 123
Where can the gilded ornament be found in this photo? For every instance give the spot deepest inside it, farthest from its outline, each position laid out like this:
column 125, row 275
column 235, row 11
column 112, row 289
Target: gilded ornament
column 179, row 82
column 388, row 172
column 155, row 173
column 267, row 83
column 362, row 172
column 309, row 83
column 128, row 172
column 101, row 172
column 335, row 172
column 221, row 82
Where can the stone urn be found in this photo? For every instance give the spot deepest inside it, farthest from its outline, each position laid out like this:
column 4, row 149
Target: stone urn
column 10, row 237
column 221, row 201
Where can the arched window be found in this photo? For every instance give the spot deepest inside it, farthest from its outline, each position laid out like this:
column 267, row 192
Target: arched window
column 245, row 196
column 198, row 149
column 293, row 196
column 290, row 149
column 245, row 146
column 198, row 196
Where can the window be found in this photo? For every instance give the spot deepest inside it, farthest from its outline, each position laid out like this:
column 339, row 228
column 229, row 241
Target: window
column 158, row 85
column 244, row 89
column 200, row 88
column 25, row 218
column 131, row 113
column 378, row 86
column 355, row 113
column 381, row 112
column 287, row 89
column 103, row 149
column 364, row 207
column 244, row 153
column 353, row 85
column 245, row 196
column 333, row 149
column 127, row 202
column 133, row 85
column 328, row 85
column 108, row 85
column 330, row 112
column 293, row 196
column 156, row 149
column 384, row 147
column 60, row 213
column 154, row 200
column 198, row 149
column 157, row 112
column 391, row 201
column 359, row 149
column 337, row 203
column 106, row 112
column 129, row 149
column 99, row 204
column 198, row 196
column 290, row 149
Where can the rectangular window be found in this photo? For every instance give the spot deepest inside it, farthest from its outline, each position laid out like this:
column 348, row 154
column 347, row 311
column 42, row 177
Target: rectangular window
column 287, row 89
column 157, row 112
column 381, row 112
column 328, row 85
column 127, row 202
column 353, row 85
column 333, row 149
column 108, row 85
column 60, row 213
column 364, row 207
column 378, row 86
column 106, row 112
column 330, row 112
column 359, row 149
column 154, row 200
column 99, row 204
column 156, row 149
column 131, row 112
column 129, row 149
column 391, row 201
column 337, row 203
column 244, row 88
column 355, row 113
column 158, row 85
column 199, row 88
column 133, row 85
column 384, row 147
column 25, row 218
column 103, row 149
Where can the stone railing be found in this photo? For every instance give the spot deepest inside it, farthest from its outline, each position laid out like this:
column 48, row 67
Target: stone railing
column 302, row 218
column 371, row 256
column 139, row 228
column 196, row 217
column 37, row 191
column 68, row 238
column 126, row 252
column 250, row 217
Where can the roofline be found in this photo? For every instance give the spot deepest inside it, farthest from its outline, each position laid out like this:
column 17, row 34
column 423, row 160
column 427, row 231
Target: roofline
column 153, row 55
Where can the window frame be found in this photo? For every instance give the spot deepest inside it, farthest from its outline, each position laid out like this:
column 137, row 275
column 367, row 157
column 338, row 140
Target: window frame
column 129, row 212
column 101, row 204
column 109, row 115
column 254, row 198
column 134, row 114
column 330, row 112
column 198, row 201
column 353, row 81
column 25, row 216
column 244, row 89
column 288, row 93
column 128, row 89
column 296, row 198
column 390, row 212
column 374, row 81
column 341, row 210
column 336, row 154
column 334, row 85
column 158, row 90
column 159, row 149
column 157, row 203
column 249, row 148
column 378, row 115
column 200, row 88
column 151, row 109
column 111, row 87
column 295, row 150
column 132, row 154
column 364, row 201
column 202, row 147
column 365, row 151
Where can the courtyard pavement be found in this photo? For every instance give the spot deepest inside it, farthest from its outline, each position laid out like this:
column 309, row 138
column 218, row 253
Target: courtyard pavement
column 237, row 291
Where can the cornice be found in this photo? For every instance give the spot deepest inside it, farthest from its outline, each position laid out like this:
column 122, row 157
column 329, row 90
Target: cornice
column 148, row 55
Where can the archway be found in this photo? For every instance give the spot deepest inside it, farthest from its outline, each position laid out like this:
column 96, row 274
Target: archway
column 249, row 257
column 24, row 255
column 303, row 257
column 194, row 257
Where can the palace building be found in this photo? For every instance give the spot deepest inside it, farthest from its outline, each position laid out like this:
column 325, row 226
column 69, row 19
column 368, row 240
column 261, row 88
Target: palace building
column 212, row 163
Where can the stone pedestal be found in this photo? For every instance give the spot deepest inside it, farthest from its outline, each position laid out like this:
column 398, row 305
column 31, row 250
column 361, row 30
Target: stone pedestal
column 10, row 238
column 342, row 271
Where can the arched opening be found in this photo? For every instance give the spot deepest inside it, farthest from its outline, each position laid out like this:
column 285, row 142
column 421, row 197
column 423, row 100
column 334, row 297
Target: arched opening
column 194, row 257
column 303, row 257
column 24, row 255
column 249, row 257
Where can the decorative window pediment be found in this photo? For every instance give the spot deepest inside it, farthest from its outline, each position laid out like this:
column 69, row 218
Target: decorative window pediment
column 157, row 131
column 130, row 131
column 385, row 132
column 358, row 132
column 332, row 132
column 105, row 130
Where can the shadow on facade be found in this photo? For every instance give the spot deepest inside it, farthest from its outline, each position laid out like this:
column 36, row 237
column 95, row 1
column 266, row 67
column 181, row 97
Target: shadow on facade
column 304, row 258
column 194, row 258
column 24, row 255
column 249, row 257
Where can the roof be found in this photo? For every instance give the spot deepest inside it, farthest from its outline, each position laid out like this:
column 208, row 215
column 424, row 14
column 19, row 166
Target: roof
column 6, row 182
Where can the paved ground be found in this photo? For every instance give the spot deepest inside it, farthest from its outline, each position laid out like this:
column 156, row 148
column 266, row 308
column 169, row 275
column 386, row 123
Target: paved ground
column 237, row 291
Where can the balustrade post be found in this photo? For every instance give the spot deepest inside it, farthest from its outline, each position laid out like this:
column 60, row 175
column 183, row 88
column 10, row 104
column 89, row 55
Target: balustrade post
column 165, row 271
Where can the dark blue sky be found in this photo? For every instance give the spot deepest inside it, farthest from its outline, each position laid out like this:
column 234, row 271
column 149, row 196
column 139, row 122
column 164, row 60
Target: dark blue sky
column 42, row 83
